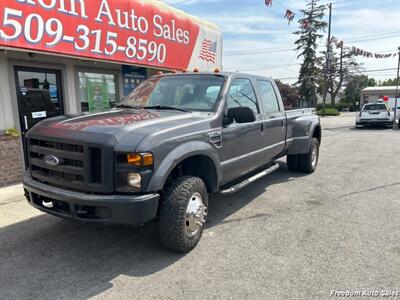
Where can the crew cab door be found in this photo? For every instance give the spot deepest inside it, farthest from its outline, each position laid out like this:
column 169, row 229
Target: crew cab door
column 274, row 120
column 241, row 142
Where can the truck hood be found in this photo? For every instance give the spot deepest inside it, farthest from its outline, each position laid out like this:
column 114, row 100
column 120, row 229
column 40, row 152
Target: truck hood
column 114, row 124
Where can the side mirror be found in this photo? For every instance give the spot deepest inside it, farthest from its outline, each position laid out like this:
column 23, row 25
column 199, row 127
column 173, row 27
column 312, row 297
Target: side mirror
column 241, row 114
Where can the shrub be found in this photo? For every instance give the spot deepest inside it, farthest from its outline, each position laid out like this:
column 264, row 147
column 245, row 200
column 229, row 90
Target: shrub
column 339, row 106
column 329, row 111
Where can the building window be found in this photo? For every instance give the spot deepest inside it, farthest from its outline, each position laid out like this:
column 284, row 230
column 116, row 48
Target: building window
column 97, row 91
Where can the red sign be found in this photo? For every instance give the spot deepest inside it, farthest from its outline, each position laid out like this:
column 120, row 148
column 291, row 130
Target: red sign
column 127, row 31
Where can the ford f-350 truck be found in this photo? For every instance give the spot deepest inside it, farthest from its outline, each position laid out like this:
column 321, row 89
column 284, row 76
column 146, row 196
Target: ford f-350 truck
column 167, row 146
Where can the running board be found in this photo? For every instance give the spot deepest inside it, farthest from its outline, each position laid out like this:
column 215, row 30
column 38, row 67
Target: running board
column 246, row 182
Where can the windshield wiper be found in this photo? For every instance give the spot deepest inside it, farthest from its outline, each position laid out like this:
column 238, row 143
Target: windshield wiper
column 166, row 108
column 128, row 106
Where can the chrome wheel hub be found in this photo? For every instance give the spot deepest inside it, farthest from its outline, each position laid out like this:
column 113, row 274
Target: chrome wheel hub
column 314, row 156
column 196, row 213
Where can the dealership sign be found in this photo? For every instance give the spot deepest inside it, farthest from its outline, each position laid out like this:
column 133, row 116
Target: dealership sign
column 144, row 32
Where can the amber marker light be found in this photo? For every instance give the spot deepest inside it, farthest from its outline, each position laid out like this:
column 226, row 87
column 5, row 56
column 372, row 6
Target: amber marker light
column 134, row 159
column 147, row 159
column 140, row 159
column 196, row 70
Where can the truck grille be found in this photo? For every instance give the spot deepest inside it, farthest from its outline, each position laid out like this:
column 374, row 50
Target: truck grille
column 75, row 166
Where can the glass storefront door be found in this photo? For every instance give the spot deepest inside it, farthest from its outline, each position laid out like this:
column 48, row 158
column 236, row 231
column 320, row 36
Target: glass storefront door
column 39, row 95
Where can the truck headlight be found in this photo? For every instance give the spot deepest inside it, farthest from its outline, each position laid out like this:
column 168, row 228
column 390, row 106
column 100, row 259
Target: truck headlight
column 134, row 180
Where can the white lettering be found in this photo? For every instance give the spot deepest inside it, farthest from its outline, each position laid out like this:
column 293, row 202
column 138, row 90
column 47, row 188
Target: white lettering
column 62, row 7
column 133, row 20
column 143, row 25
column 105, row 11
column 31, row 2
column 122, row 23
column 48, row 6
column 186, row 37
column 158, row 30
column 73, row 8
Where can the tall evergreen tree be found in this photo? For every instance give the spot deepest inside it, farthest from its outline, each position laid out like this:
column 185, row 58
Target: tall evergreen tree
column 309, row 33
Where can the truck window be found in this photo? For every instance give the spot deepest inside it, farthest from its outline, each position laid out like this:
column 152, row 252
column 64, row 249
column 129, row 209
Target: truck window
column 241, row 93
column 375, row 107
column 269, row 101
column 190, row 92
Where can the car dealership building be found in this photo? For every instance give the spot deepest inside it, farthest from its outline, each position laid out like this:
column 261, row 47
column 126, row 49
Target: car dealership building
column 72, row 56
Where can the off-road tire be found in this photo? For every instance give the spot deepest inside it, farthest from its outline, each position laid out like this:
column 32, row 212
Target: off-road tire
column 292, row 162
column 173, row 210
column 306, row 160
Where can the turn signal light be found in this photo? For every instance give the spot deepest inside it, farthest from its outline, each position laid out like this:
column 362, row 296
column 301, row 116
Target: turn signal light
column 134, row 159
column 196, row 70
column 216, row 70
column 140, row 160
column 147, row 159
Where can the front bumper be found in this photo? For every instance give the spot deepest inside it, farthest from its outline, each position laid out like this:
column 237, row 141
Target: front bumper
column 106, row 209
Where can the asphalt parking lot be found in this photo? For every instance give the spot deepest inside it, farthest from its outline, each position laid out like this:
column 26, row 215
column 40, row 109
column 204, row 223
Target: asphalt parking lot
column 288, row 236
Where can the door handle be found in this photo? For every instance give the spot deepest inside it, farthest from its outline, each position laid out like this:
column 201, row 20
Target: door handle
column 26, row 122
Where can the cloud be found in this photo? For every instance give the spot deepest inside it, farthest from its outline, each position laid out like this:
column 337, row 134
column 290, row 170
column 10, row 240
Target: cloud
column 249, row 25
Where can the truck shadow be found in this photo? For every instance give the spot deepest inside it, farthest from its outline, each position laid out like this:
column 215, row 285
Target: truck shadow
column 52, row 257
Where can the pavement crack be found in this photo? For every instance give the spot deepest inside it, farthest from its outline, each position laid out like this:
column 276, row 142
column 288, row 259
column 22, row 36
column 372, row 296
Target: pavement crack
column 370, row 190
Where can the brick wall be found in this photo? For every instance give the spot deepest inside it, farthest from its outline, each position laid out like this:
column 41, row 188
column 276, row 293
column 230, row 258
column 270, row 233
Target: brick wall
column 10, row 160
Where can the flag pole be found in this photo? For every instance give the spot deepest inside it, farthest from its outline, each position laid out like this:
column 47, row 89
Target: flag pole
column 397, row 92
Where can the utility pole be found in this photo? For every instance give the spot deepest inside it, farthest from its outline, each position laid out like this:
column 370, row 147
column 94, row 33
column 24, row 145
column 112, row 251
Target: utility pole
column 328, row 48
column 397, row 91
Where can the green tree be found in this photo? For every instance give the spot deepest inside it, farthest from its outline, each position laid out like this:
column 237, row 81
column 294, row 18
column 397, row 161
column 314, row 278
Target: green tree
column 352, row 93
column 388, row 82
column 289, row 93
column 310, row 27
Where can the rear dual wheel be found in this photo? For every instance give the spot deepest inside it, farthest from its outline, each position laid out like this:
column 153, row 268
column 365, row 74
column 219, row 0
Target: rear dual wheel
column 306, row 163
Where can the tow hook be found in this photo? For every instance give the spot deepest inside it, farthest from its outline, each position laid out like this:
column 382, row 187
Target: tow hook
column 49, row 204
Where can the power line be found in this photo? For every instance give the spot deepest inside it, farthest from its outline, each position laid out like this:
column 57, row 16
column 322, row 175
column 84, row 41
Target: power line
column 362, row 38
column 360, row 72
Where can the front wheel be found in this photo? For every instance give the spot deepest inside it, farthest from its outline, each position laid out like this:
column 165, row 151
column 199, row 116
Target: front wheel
column 183, row 213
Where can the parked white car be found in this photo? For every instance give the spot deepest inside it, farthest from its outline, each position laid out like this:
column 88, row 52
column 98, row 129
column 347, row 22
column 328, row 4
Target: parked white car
column 375, row 114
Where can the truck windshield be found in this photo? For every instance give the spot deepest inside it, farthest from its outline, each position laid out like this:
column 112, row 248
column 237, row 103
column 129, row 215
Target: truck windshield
column 182, row 92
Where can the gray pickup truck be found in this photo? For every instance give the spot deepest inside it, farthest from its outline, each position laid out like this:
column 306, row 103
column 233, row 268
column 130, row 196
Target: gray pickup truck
column 159, row 154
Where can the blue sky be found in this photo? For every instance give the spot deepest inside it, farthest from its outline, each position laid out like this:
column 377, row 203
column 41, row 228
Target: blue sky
column 248, row 25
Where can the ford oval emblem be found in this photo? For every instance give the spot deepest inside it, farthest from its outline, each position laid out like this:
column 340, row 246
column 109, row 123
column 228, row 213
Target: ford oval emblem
column 52, row 160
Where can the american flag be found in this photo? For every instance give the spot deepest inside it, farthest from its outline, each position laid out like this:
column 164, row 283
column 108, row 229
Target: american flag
column 208, row 51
